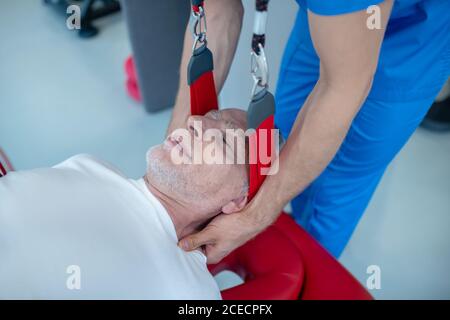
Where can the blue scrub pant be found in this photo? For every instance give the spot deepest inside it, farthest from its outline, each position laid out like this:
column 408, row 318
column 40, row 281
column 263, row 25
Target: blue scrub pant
column 330, row 208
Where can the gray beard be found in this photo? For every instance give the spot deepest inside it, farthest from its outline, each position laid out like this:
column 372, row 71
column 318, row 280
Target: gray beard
column 166, row 178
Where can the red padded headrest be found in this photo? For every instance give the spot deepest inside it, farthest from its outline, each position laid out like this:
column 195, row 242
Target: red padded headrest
column 325, row 277
column 270, row 266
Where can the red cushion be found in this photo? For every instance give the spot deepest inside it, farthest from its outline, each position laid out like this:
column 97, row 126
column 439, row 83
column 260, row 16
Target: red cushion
column 325, row 277
column 270, row 266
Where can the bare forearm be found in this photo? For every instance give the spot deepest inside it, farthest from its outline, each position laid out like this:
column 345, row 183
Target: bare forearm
column 224, row 21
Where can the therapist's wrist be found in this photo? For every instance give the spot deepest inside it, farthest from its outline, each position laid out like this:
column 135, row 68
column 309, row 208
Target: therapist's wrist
column 261, row 213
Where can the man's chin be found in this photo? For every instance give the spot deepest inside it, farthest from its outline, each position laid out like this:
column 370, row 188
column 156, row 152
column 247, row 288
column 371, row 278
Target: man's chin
column 154, row 154
column 162, row 173
column 166, row 157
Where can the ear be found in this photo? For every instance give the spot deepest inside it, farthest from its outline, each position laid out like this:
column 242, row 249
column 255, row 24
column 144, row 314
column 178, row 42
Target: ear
column 235, row 205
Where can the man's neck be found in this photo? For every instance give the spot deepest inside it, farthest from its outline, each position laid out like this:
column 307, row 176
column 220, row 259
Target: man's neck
column 180, row 214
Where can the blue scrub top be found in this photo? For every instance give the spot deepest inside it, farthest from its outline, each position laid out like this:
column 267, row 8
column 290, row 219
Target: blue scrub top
column 415, row 54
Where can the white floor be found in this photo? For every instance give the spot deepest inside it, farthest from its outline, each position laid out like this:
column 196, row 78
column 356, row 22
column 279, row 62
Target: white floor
column 60, row 95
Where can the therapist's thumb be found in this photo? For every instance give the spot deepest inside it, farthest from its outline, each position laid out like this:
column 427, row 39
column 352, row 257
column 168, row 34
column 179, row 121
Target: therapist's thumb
column 196, row 240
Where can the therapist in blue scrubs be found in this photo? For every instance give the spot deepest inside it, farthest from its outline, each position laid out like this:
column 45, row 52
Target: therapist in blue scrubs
column 348, row 99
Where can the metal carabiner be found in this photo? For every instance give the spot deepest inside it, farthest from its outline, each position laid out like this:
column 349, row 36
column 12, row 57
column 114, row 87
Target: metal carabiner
column 259, row 69
column 199, row 27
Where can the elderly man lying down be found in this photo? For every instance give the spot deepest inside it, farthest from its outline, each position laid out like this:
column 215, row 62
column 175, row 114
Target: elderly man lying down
column 83, row 230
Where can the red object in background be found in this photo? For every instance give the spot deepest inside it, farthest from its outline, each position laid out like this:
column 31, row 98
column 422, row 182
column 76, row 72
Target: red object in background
column 133, row 90
column 2, row 170
column 5, row 164
column 204, row 84
column 284, row 262
column 131, row 82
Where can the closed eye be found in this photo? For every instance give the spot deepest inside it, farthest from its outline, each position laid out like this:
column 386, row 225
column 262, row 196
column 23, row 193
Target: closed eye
column 214, row 114
column 224, row 138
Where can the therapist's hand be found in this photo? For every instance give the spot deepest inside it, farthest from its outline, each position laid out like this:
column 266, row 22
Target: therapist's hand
column 224, row 233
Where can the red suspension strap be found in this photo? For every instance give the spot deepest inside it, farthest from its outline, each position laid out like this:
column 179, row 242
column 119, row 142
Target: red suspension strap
column 263, row 143
column 200, row 69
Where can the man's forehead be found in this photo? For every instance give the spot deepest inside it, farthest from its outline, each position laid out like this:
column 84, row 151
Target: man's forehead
column 234, row 118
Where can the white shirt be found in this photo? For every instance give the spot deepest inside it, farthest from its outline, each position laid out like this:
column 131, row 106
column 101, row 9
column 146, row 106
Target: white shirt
column 82, row 230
